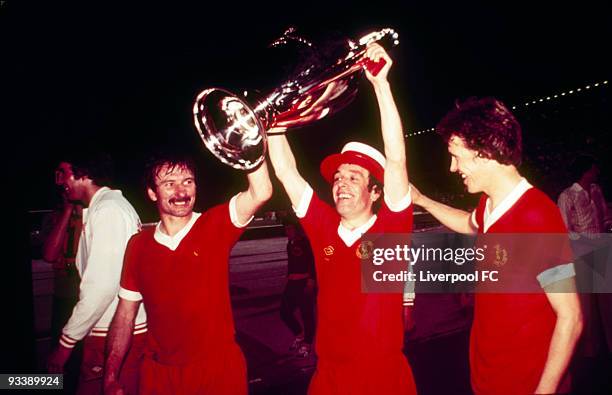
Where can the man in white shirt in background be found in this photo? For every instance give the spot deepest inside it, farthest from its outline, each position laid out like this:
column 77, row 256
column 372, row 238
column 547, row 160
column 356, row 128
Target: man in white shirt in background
column 109, row 221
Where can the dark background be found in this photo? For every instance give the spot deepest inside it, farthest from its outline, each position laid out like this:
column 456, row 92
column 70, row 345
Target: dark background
column 123, row 78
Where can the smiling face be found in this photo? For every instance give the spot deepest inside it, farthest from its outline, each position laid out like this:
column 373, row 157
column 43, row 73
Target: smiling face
column 175, row 191
column 350, row 190
column 73, row 188
column 473, row 169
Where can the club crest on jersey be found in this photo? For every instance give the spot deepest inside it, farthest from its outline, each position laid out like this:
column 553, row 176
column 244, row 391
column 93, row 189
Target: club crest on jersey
column 501, row 256
column 364, row 250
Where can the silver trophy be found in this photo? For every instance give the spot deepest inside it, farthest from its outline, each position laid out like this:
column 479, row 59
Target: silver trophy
column 235, row 131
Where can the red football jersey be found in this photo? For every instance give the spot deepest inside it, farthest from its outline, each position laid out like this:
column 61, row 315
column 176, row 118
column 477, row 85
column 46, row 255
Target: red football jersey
column 511, row 333
column 186, row 291
column 363, row 331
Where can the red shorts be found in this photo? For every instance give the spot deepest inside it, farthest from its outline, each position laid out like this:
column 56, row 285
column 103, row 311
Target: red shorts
column 390, row 374
column 92, row 367
column 224, row 375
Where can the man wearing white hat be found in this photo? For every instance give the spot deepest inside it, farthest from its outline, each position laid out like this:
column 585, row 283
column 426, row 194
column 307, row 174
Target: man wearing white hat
column 359, row 335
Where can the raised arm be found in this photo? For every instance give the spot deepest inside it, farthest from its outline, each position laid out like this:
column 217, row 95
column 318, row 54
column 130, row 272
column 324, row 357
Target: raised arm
column 396, row 172
column 285, row 167
column 258, row 192
column 118, row 343
column 457, row 220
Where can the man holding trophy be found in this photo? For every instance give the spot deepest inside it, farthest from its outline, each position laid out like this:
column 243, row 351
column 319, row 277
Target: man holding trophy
column 359, row 335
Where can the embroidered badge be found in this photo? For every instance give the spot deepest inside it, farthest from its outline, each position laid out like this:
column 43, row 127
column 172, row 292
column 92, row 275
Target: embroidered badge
column 364, row 250
column 329, row 250
column 501, row 256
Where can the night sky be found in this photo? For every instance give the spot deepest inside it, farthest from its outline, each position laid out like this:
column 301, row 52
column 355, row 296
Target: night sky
column 123, row 79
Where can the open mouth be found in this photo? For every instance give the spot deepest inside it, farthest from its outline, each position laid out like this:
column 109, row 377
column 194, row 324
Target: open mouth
column 343, row 196
column 180, row 201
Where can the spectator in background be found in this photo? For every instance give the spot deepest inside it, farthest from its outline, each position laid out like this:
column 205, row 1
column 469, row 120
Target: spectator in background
column 299, row 290
column 583, row 207
column 585, row 212
column 109, row 221
column 60, row 232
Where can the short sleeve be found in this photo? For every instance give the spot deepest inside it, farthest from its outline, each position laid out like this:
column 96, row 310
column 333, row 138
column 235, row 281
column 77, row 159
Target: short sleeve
column 402, row 204
column 319, row 217
column 129, row 289
column 396, row 221
column 551, row 245
column 217, row 223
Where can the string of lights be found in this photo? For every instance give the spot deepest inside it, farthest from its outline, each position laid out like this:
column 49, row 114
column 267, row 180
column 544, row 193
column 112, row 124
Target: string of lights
column 528, row 103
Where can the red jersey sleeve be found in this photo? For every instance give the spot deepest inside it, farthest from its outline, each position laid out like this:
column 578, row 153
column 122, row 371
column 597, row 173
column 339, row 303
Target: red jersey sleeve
column 396, row 221
column 129, row 288
column 544, row 218
column 320, row 217
column 218, row 224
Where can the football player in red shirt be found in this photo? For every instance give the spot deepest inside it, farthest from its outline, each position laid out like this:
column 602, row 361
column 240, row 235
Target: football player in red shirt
column 179, row 270
column 521, row 342
column 359, row 335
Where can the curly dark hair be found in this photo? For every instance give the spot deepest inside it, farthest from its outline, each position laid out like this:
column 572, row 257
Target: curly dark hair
column 487, row 126
column 173, row 160
column 97, row 166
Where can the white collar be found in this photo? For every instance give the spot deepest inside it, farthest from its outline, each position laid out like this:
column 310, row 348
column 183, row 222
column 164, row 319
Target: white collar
column 172, row 242
column 97, row 195
column 505, row 205
column 577, row 187
column 349, row 237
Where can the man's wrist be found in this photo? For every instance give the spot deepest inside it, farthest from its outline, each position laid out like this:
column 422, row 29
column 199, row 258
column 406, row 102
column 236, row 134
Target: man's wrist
column 381, row 85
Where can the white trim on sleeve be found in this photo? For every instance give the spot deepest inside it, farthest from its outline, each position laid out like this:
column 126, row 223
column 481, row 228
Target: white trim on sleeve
column 402, row 205
column 233, row 212
column 557, row 273
column 129, row 295
column 305, row 200
column 67, row 341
